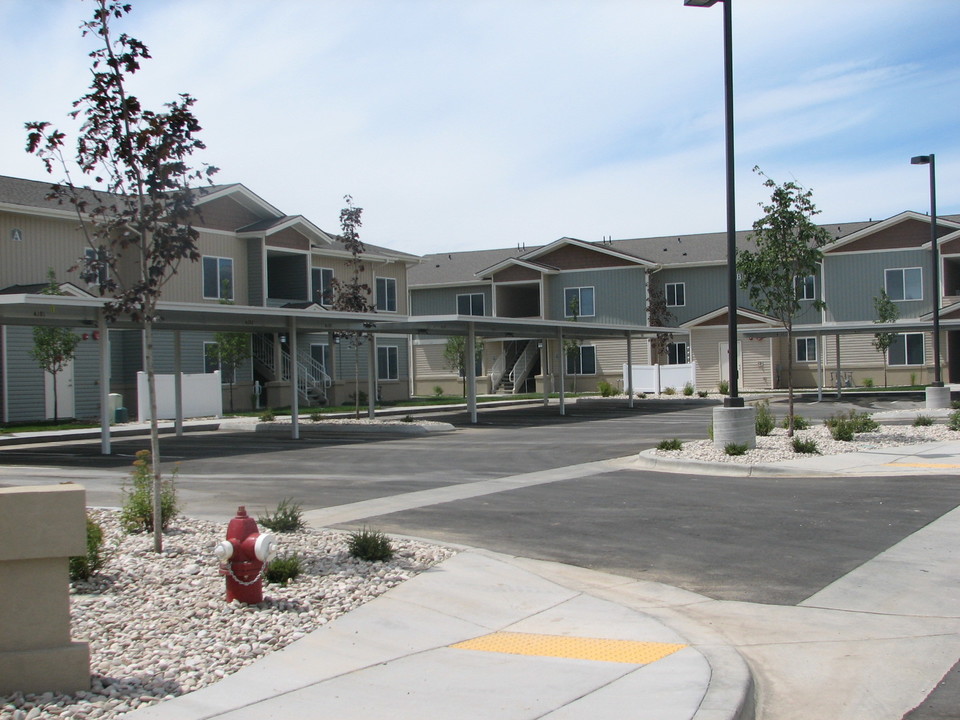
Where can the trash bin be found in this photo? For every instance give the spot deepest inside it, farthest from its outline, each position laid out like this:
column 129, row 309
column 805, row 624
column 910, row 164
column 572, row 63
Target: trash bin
column 121, row 415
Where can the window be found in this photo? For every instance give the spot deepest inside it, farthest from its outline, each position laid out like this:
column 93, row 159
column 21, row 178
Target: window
column 678, row 353
column 578, row 302
column 676, row 294
column 218, row 277
column 582, row 362
column 94, row 274
column 322, row 279
column 211, row 362
column 471, row 304
column 806, row 288
column 806, row 349
column 387, row 363
column 907, row 349
column 387, row 294
column 904, row 283
column 320, row 352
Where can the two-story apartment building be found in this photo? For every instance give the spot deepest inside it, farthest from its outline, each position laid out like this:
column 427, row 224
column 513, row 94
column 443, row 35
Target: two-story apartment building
column 611, row 281
column 252, row 254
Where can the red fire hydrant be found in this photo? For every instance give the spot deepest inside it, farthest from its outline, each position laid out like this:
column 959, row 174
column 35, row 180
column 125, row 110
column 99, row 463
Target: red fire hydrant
column 242, row 558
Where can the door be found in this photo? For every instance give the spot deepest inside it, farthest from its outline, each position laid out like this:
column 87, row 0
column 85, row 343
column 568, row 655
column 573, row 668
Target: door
column 64, row 396
column 724, row 359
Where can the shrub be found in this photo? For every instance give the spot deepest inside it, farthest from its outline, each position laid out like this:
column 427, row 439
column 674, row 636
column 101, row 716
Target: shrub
column 407, row 419
column 735, row 448
column 688, row 389
column 641, row 396
column 913, row 379
column 702, row 393
column 799, row 423
column 370, row 545
column 137, row 513
column 868, row 382
column 288, row 517
column 807, row 447
column 710, row 431
column 669, row 391
column 281, row 570
column 316, row 416
column 606, row 389
column 922, row 421
column 840, row 429
column 853, row 422
column 862, row 422
column 724, row 387
column 82, row 567
column 953, row 422
column 674, row 444
column 765, row 421
column 437, row 391
column 267, row 416
column 955, row 404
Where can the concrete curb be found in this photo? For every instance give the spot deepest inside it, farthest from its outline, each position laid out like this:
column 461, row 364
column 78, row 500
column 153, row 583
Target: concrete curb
column 361, row 429
column 94, row 433
column 648, row 461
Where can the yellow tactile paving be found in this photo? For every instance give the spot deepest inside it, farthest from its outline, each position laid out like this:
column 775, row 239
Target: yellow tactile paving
column 926, row 465
column 577, row 648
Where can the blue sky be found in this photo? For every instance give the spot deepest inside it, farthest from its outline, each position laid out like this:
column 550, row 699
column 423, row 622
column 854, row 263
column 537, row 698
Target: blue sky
column 480, row 123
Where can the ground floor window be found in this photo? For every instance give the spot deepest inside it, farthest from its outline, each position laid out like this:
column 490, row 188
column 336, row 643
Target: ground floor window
column 907, row 349
column 320, row 352
column 678, row 353
column 388, row 367
column 806, row 349
column 583, row 361
column 211, row 362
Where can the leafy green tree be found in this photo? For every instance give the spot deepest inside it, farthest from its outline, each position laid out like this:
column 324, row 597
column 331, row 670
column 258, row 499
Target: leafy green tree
column 352, row 295
column 139, row 222
column 887, row 312
column 787, row 250
column 455, row 355
column 571, row 348
column 54, row 347
column 231, row 349
column 658, row 315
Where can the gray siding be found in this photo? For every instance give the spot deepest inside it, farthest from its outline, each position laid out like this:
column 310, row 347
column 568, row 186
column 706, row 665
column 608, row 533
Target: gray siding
column 25, row 385
column 705, row 290
column 852, row 281
column 443, row 301
column 619, row 295
column 255, row 293
column 86, row 379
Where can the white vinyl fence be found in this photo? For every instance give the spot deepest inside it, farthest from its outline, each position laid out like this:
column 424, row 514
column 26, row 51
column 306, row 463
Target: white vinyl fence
column 202, row 396
column 653, row 378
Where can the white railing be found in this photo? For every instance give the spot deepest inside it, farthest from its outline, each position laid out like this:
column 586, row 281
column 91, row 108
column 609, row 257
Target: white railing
column 521, row 368
column 498, row 370
column 310, row 373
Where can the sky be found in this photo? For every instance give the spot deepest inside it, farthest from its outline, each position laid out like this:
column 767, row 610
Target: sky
column 478, row 124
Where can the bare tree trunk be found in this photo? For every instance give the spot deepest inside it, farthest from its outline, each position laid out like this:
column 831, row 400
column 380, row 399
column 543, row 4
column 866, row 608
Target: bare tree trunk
column 56, row 401
column 790, row 351
column 154, row 436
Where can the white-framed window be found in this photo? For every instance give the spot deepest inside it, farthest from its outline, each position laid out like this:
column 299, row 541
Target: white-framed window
column 217, row 277
column 806, row 287
column 578, row 302
column 386, row 294
column 211, row 362
column 388, row 366
column 678, row 353
column 904, row 283
column 97, row 273
column 676, row 294
column 320, row 352
column 906, row 349
column 806, row 349
column 470, row 304
column 583, row 361
column 322, row 279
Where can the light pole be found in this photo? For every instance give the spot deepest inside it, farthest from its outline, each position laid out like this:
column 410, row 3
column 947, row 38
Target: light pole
column 931, row 161
column 733, row 399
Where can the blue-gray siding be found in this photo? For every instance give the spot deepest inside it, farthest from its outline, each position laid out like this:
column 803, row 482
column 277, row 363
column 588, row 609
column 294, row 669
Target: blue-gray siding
column 619, row 295
column 443, row 301
column 854, row 280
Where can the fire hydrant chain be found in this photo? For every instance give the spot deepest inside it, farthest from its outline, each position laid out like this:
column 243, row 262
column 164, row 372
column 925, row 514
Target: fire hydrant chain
column 229, row 571
column 245, row 553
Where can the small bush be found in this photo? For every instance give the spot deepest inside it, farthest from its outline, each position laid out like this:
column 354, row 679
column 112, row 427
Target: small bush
column 724, row 387
column 281, row 570
column 806, row 447
column 851, row 423
column 605, row 389
column 407, row 419
column 674, row 444
column 702, row 393
column 688, row 389
column 316, row 417
column 437, row 391
column 913, row 379
column 799, row 423
column 955, row 404
column 735, row 448
column 868, row 382
column 267, row 416
column 641, row 396
column 922, row 421
column 370, row 545
column 137, row 512
column 288, row 517
column 840, row 429
column 765, row 420
column 82, row 567
column 953, row 422
column 669, row 391
column 710, row 431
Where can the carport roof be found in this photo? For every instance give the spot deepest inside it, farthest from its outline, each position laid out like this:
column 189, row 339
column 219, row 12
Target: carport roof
column 517, row 327
column 855, row 328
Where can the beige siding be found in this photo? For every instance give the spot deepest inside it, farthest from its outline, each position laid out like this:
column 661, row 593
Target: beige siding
column 47, row 243
column 187, row 286
column 757, row 366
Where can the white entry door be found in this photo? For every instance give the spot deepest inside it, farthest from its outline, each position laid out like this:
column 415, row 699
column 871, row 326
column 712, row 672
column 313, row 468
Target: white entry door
column 725, row 362
column 65, row 401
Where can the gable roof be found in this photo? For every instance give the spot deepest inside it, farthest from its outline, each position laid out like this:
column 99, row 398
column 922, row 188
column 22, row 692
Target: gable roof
column 750, row 316
column 947, row 222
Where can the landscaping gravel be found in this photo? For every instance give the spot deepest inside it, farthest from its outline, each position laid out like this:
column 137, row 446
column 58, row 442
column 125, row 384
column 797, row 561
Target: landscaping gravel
column 159, row 627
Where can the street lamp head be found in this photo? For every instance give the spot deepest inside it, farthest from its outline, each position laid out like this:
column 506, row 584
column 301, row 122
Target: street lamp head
column 921, row 160
column 700, row 3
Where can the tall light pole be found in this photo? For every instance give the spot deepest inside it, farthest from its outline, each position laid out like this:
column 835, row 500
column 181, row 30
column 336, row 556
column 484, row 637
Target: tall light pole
column 931, row 161
column 733, row 399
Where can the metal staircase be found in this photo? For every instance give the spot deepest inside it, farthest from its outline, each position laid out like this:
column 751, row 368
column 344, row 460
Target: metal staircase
column 312, row 380
column 521, row 357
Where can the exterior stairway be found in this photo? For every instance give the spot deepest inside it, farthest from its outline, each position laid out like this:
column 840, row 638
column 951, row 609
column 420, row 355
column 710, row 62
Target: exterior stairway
column 521, row 357
column 312, row 379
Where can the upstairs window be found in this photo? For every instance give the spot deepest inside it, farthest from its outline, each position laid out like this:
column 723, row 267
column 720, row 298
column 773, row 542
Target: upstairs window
column 904, row 283
column 386, row 294
column 470, row 304
column 806, row 288
column 676, row 294
column 322, row 279
column 578, row 302
column 217, row 278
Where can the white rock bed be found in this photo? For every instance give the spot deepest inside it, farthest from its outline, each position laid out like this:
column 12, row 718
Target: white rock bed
column 158, row 625
column 777, row 446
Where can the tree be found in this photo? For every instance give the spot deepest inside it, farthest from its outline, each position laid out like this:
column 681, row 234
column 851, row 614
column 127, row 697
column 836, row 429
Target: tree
column 138, row 223
column 455, row 354
column 571, row 348
column 352, row 295
column 787, row 243
column 230, row 350
column 54, row 347
column 887, row 312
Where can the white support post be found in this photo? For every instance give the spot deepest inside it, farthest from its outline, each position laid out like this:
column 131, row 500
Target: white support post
column 372, row 376
column 177, row 384
column 294, row 390
column 820, row 351
column 104, row 383
column 470, row 372
column 629, row 370
column 561, row 369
